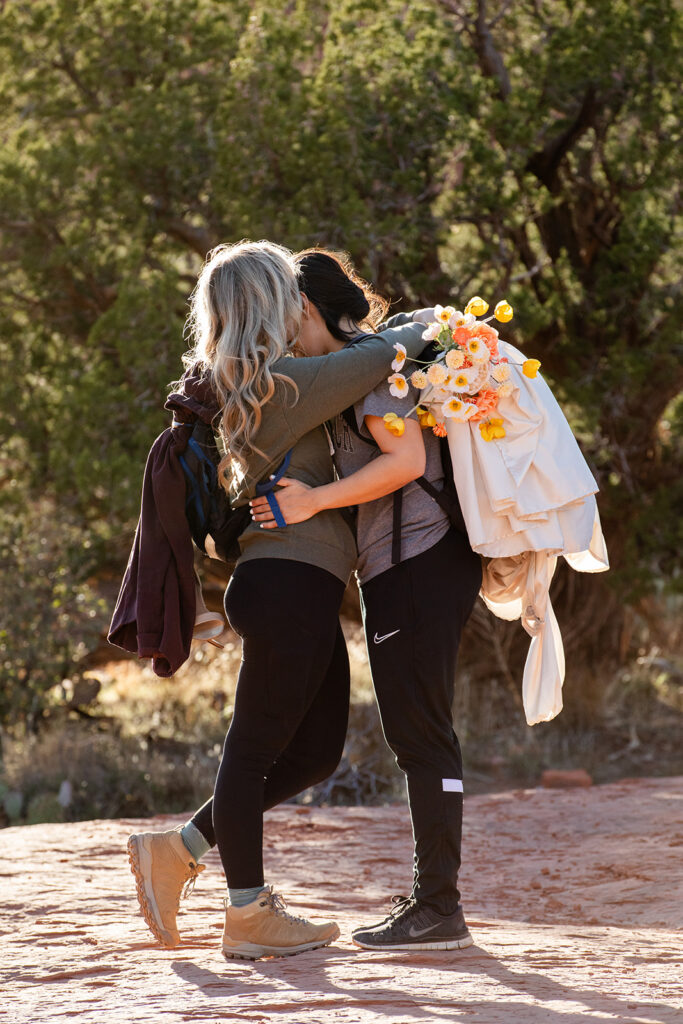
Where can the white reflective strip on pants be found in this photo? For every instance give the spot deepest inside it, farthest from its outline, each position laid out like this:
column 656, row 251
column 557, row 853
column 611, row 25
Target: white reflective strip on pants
column 452, row 785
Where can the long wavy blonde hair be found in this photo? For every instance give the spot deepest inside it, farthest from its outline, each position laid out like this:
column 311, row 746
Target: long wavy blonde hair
column 245, row 313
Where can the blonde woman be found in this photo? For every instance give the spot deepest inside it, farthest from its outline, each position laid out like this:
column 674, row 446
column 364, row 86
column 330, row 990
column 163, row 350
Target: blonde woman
column 291, row 704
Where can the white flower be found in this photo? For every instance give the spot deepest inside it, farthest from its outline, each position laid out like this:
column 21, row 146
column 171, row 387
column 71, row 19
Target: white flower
column 470, row 379
column 454, row 359
column 419, row 380
column 478, row 350
column 458, row 410
column 401, row 353
column 501, row 372
column 462, row 380
column 399, row 385
column 432, row 332
column 505, row 390
column 443, row 313
column 436, row 374
column 461, row 320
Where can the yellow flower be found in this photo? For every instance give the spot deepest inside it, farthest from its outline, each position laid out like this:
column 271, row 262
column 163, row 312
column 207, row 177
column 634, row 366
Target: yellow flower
column 501, row 372
column 503, row 312
column 436, row 374
column 530, row 367
column 492, row 429
column 425, row 418
column 394, row 424
column 419, row 380
column 454, row 359
column 477, row 306
column 399, row 385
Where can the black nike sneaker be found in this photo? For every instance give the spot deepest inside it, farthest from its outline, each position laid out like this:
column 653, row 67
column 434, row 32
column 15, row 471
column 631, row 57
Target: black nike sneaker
column 412, row 925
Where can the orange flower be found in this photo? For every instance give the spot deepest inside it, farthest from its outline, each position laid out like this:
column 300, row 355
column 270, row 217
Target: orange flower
column 490, row 336
column 486, row 401
column 440, row 430
column 461, row 335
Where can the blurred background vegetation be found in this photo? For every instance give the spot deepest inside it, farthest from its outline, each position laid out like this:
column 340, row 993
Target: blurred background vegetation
column 526, row 149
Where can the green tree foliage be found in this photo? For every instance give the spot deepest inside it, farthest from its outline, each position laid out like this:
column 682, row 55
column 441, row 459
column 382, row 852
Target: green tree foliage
column 524, row 149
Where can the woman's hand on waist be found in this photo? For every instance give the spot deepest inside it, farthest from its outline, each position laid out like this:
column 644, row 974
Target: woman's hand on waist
column 297, row 502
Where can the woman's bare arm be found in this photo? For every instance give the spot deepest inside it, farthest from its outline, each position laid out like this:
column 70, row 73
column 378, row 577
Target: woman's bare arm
column 402, row 459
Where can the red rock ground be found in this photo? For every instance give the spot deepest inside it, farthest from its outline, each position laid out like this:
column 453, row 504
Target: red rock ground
column 574, row 898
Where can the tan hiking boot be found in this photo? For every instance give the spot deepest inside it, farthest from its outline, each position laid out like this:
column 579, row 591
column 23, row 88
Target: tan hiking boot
column 164, row 871
column 264, row 928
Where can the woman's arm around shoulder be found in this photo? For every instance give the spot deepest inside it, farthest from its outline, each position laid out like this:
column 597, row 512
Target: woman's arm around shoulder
column 329, row 384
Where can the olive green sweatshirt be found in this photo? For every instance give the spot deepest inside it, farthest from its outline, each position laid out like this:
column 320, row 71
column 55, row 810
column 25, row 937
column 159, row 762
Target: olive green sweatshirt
column 326, row 386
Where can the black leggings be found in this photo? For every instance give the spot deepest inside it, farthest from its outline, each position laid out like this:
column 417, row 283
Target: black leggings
column 291, row 705
column 414, row 614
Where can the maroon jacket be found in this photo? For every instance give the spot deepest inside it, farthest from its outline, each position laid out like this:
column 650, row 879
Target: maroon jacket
column 155, row 610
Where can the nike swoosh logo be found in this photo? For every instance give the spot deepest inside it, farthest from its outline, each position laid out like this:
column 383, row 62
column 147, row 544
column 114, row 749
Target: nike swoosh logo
column 415, row 933
column 379, row 639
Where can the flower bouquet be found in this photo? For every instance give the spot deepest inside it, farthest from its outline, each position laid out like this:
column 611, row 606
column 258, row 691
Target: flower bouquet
column 467, row 378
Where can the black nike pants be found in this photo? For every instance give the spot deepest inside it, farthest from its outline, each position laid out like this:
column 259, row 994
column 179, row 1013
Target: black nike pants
column 414, row 614
column 291, row 706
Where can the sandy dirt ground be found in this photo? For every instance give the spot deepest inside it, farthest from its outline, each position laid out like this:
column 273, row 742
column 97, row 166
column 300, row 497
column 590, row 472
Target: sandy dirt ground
column 574, row 898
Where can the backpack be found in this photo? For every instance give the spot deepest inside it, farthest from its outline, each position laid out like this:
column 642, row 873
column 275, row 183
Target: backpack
column 207, row 506
column 446, row 499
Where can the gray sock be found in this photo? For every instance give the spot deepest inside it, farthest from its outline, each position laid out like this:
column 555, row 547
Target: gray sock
column 240, row 897
column 194, row 841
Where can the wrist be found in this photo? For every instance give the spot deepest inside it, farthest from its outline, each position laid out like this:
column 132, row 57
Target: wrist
column 319, row 496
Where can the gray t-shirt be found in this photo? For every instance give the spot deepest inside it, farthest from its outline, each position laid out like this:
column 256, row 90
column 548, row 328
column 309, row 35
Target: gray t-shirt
column 423, row 522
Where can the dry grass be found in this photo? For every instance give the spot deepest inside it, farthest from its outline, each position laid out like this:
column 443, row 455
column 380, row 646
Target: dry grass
column 150, row 745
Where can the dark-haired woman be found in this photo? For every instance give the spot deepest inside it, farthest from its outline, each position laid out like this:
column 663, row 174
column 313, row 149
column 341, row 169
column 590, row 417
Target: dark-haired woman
column 291, row 703
column 413, row 612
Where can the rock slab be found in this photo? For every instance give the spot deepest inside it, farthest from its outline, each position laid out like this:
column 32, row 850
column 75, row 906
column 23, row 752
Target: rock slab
column 574, row 898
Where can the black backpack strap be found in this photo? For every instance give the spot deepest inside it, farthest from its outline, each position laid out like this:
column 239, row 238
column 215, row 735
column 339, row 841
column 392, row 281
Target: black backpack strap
column 396, row 528
column 438, row 496
column 349, row 418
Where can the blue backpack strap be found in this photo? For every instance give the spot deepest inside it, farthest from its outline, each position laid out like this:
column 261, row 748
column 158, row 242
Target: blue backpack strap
column 194, row 495
column 268, row 488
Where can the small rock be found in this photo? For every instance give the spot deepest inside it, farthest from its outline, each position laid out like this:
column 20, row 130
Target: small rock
column 85, row 691
column 554, row 779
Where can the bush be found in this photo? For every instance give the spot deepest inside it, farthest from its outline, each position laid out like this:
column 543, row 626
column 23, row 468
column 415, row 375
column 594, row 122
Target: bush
column 49, row 615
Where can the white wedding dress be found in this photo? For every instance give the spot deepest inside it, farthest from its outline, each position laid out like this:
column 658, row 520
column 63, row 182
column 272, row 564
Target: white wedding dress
column 526, row 499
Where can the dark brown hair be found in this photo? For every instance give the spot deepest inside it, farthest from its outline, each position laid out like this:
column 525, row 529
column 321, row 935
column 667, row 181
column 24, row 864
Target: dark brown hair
column 329, row 280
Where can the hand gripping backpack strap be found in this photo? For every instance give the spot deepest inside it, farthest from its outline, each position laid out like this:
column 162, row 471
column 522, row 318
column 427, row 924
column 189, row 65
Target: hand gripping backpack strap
column 268, row 488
